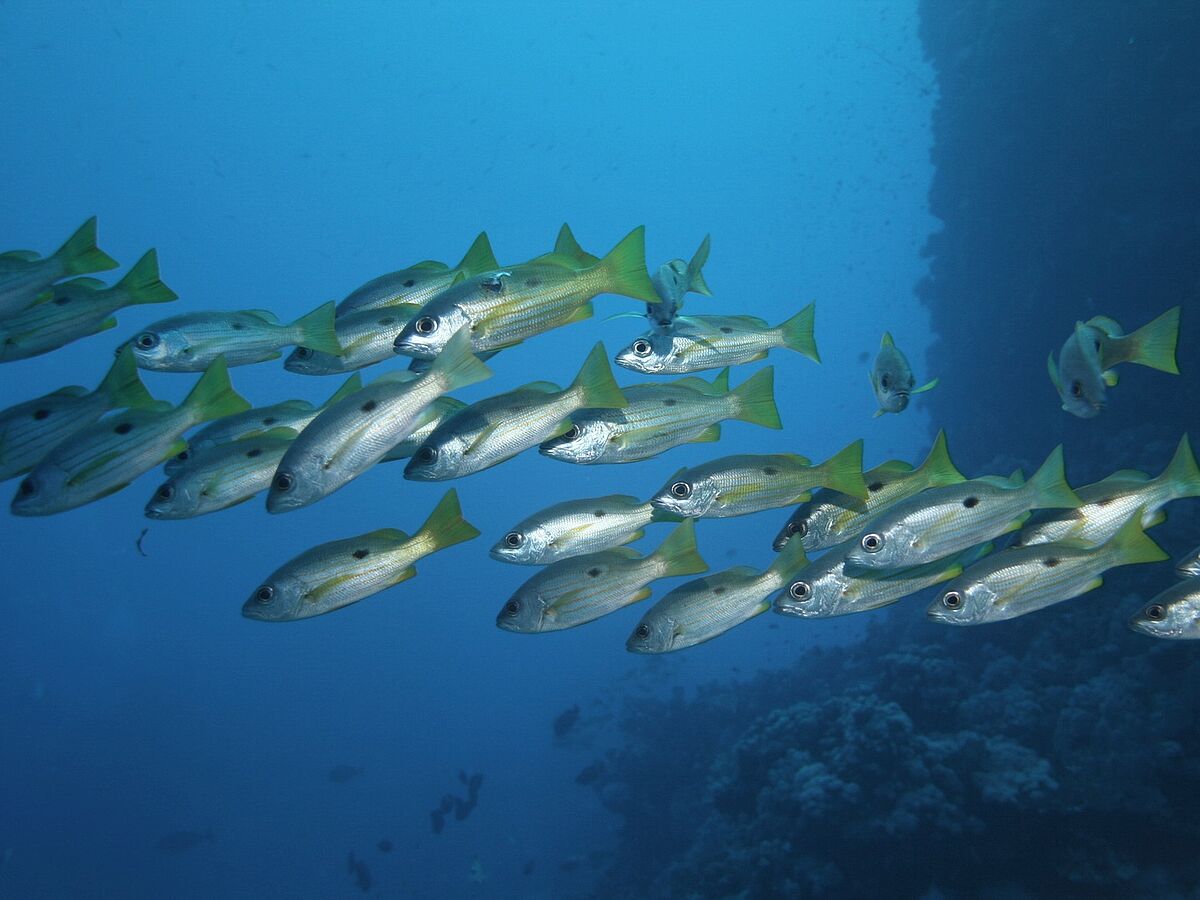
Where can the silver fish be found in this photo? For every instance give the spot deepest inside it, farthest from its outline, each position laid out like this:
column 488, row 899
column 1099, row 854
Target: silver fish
column 672, row 281
column 366, row 337
column 1174, row 614
column 336, row 574
column 25, row 276
column 892, row 378
column 583, row 588
column 427, row 422
column 1189, row 566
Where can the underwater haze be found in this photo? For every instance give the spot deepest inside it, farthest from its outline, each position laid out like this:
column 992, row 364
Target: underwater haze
column 918, row 168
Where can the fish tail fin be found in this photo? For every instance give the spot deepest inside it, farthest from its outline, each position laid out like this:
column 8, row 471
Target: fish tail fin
column 122, row 385
column 755, row 399
column 351, row 385
column 887, row 340
column 678, row 554
column 1154, row 343
column 927, row 386
column 1181, row 472
column 842, row 472
column 938, row 469
column 624, row 268
column 797, row 333
column 142, row 284
column 457, row 365
column 80, row 255
column 446, row 526
column 595, row 383
column 213, row 397
column 1131, row 545
column 566, row 245
column 695, row 270
column 316, row 330
column 479, row 256
column 1049, row 484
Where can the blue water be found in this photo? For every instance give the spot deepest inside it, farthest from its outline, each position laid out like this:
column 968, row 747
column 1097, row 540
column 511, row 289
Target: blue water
column 278, row 156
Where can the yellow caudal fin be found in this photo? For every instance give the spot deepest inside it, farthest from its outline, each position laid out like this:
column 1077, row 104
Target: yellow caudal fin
column 927, row 386
column 755, row 399
column 446, row 525
column 1048, row 485
column 695, row 270
column 213, row 397
column 122, row 386
column 1151, row 345
column 678, row 554
column 843, row 471
column 887, row 340
column 938, row 469
column 567, row 246
column 80, row 255
column 457, row 365
column 797, row 333
column 1181, row 472
column 316, row 330
column 595, row 383
column 479, row 258
column 351, row 385
column 624, row 268
column 142, row 284
column 1131, row 545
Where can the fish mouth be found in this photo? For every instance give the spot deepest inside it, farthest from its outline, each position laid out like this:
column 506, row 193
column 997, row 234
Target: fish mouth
column 415, row 349
column 153, row 513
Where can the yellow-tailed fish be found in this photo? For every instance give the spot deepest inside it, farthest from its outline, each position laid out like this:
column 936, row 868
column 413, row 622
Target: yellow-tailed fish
column 830, row 518
column 672, row 281
column 420, row 282
column 892, row 378
column 946, row 520
column 356, row 432
column 1174, row 614
column 576, row 527
column 189, row 342
column 748, row 483
column 107, row 455
column 498, row 428
column 339, row 573
column 696, row 343
column 506, row 306
column 708, row 607
column 583, row 588
column 1025, row 579
column 25, row 276
column 662, row 416
column 1107, row 504
column 365, row 338
column 78, row 308
column 30, row 430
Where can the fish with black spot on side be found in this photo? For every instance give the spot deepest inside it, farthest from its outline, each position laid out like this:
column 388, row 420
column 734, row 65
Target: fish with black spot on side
column 581, row 589
column 696, row 343
column 945, row 520
column 78, row 308
column 576, row 527
column 338, row 573
column 1172, row 615
column 365, row 338
column 662, row 416
column 1107, row 504
column 830, row 517
column 1086, row 363
column 30, row 430
column 748, row 483
column 507, row 306
column 1022, row 580
column 420, row 282
column 823, row 588
column 107, row 455
column 190, row 342
column 496, row 429
column 25, row 276
column 710, row 606
column 892, row 378
column 426, row 423
column 673, row 280
column 353, row 434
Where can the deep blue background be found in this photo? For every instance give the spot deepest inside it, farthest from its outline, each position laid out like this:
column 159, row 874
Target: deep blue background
column 280, row 155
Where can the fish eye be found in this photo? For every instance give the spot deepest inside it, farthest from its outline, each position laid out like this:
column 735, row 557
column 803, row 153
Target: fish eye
column 284, row 482
column 426, row 454
column 871, row 542
column 642, row 631
column 1076, row 388
column 425, row 325
column 512, row 607
column 166, row 492
column 1156, row 612
column 883, row 382
column 303, row 353
column 681, row 489
column 264, row 594
column 147, row 340
column 800, row 590
column 514, row 539
column 28, row 488
column 641, row 347
column 572, row 433
column 952, row 600
column 183, row 455
column 797, row 528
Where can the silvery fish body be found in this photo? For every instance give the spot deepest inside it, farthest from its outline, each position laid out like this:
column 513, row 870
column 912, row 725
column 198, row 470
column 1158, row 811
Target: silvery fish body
column 672, row 281
column 430, row 418
column 24, row 275
column 1080, row 378
column 366, row 337
column 1189, row 566
column 576, row 527
column 892, row 378
column 1174, row 614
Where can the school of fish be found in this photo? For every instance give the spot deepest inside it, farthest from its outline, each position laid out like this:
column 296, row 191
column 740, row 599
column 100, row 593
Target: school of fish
column 854, row 540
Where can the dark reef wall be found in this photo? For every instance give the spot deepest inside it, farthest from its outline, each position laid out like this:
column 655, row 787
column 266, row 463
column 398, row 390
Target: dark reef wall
column 1067, row 140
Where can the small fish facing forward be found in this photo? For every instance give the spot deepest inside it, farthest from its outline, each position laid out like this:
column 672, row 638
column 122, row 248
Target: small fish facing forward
column 672, row 281
column 892, row 378
column 25, row 276
column 1174, row 614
